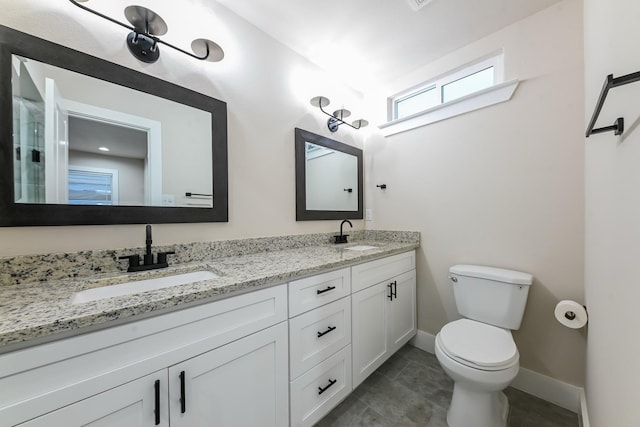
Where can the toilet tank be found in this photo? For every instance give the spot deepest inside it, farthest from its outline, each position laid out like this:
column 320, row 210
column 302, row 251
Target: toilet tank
column 491, row 295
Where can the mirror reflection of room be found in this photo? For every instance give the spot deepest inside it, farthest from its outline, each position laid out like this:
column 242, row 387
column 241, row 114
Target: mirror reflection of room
column 331, row 179
column 80, row 140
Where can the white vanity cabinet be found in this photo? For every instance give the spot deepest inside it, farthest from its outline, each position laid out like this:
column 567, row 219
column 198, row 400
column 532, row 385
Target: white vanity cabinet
column 128, row 405
column 319, row 343
column 283, row 355
column 383, row 311
column 239, row 384
column 226, row 361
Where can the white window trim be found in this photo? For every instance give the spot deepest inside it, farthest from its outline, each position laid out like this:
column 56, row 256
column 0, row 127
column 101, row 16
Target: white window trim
column 495, row 60
column 495, row 94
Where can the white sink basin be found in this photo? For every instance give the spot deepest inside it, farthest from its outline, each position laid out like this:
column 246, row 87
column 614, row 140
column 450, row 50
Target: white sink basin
column 129, row 288
column 361, row 248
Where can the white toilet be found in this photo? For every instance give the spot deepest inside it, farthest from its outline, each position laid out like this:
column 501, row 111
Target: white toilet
column 478, row 352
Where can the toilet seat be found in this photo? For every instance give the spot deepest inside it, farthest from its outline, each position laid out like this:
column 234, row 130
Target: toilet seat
column 478, row 345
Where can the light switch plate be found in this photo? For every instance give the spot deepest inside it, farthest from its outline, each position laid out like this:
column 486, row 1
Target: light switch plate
column 368, row 214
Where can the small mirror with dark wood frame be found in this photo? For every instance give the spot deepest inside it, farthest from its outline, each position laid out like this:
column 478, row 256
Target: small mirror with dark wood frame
column 329, row 178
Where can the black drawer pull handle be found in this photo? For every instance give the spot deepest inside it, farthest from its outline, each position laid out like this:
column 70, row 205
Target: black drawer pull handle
column 156, row 387
column 183, row 396
column 322, row 390
column 329, row 288
column 331, row 328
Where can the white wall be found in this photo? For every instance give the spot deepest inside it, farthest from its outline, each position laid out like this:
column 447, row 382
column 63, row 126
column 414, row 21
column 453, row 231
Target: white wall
column 612, row 226
column 327, row 177
column 267, row 88
column 501, row 186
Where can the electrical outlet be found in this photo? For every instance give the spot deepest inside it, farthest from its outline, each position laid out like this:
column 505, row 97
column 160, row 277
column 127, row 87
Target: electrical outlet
column 368, row 214
column 168, row 200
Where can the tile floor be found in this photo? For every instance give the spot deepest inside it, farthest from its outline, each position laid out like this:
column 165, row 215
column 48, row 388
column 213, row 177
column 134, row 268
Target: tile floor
column 410, row 389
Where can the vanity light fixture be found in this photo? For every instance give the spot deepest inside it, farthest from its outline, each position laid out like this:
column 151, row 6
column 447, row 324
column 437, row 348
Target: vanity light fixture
column 147, row 27
column 336, row 119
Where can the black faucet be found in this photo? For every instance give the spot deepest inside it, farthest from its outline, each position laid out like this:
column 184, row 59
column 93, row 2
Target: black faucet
column 342, row 238
column 147, row 264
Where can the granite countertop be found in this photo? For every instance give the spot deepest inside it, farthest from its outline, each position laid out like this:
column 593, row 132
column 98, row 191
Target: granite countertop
column 30, row 312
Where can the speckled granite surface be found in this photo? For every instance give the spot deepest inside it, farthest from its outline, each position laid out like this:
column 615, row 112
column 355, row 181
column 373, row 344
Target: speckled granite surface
column 36, row 292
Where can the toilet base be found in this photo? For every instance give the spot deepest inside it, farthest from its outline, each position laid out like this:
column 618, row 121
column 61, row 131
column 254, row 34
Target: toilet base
column 473, row 408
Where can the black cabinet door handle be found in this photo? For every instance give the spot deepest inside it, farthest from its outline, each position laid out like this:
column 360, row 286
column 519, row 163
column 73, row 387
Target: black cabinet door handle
column 329, row 329
column 394, row 289
column 329, row 288
column 390, row 295
column 183, row 395
column 156, row 387
column 323, row 389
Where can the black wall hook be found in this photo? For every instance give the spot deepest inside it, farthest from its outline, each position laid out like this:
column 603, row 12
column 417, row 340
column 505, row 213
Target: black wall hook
column 382, row 186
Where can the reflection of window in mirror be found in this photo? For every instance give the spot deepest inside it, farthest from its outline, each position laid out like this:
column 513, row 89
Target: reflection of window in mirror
column 93, row 186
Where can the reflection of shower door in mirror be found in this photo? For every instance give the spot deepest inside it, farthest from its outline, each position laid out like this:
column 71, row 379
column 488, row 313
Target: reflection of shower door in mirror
column 55, row 153
column 28, row 144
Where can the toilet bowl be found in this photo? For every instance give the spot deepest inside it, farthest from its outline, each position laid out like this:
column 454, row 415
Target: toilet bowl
column 482, row 360
column 478, row 351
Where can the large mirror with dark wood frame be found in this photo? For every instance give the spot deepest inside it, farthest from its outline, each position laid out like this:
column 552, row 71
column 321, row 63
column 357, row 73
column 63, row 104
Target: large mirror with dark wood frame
column 328, row 178
column 86, row 141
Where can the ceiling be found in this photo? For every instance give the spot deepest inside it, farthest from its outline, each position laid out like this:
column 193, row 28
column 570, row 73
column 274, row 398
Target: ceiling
column 370, row 42
column 87, row 135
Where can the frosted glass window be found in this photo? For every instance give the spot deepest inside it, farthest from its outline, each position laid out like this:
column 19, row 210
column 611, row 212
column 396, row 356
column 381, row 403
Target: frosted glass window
column 466, row 85
column 416, row 102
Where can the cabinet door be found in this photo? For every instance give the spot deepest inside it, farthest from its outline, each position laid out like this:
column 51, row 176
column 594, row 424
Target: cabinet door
column 369, row 333
column 243, row 383
column 401, row 314
column 130, row 405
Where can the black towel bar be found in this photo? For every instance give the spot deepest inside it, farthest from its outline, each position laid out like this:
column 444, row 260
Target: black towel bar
column 609, row 83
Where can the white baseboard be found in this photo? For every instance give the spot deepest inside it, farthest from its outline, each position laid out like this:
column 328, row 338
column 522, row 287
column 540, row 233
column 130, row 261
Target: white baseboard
column 547, row 388
column 560, row 393
column 583, row 415
column 424, row 341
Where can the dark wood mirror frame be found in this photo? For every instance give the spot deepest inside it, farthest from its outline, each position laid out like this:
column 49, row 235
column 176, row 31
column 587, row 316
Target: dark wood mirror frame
column 302, row 213
column 26, row 214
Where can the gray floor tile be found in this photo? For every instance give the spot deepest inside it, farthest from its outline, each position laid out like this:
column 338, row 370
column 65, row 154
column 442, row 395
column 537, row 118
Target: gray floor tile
column 410, row 389
column 529, row 411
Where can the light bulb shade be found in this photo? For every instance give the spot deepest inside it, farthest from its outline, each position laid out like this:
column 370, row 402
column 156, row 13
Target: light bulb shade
column 360, row 123
column 145, row 20
column 319, row 101
column 201, row 46
column 341, row 114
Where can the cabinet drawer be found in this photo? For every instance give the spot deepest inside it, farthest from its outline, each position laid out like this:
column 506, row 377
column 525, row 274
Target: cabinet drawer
column 307, row 294
column 370, row 273
column 316, row 392
column 317, row 334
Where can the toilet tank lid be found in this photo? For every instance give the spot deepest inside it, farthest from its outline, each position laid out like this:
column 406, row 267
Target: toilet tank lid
column 492, row 273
